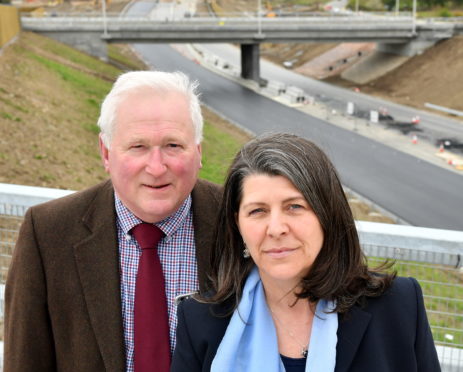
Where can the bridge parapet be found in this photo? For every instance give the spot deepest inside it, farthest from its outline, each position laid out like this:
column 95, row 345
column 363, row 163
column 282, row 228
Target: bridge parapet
column 397, row 35
column 322, row 29
column 383, row 29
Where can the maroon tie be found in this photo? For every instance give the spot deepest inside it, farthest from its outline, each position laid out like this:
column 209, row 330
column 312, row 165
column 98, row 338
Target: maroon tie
column 151, row 325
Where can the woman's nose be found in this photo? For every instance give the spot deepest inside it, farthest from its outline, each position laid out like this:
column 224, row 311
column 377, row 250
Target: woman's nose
column 277, row 225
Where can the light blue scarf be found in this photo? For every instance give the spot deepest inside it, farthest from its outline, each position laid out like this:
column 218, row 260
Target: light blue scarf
column 250, row 341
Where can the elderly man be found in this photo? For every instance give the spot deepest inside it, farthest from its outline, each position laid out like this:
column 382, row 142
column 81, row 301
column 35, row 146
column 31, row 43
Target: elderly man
column 94, row 275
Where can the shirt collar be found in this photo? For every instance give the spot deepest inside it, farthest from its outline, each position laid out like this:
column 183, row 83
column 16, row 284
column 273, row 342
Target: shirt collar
column 127, row 220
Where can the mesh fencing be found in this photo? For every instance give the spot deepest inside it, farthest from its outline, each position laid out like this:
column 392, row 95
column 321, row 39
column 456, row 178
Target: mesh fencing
column 442, row 287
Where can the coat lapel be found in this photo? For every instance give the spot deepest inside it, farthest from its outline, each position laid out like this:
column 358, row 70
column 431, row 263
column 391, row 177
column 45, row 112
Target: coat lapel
column 351, row 329
column 205, row 203
column 97, row 262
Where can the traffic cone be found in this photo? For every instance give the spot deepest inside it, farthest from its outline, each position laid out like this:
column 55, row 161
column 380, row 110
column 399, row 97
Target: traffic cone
column 414, row 139
column 450, row 162
column 441, row 147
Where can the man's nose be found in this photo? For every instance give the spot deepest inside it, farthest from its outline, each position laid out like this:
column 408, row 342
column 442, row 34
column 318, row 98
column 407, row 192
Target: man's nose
column 155, row 163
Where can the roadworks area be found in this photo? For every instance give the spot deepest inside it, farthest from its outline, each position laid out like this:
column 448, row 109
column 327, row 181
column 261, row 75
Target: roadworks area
column 295, row 97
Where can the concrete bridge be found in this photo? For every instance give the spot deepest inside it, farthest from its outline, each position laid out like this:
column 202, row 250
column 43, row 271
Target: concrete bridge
column 400, row 35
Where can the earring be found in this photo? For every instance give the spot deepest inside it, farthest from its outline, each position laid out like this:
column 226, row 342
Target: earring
column 246, row 253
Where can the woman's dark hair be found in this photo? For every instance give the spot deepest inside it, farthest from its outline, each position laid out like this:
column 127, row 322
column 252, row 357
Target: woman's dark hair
column 340, row 271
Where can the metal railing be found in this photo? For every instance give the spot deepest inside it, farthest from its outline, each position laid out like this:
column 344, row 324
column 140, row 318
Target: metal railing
column 434, row 257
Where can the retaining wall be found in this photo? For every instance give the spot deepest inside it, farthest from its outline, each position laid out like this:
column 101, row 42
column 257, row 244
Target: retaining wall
column 9, row 23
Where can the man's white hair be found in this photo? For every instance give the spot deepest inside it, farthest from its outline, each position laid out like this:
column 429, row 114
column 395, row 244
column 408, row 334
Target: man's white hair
column 160, row 82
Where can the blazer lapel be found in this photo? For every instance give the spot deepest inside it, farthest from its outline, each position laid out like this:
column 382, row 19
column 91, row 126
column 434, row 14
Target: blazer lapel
column 351, row 329
column 205, row 203
column 98, row 267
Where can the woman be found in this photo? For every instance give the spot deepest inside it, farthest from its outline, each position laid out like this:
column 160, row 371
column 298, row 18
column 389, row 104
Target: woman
column 290, row 286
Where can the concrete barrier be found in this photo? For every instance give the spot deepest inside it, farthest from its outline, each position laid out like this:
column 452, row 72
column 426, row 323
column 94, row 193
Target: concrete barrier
column 9, row 24
column 294, row 95
column 275, row 88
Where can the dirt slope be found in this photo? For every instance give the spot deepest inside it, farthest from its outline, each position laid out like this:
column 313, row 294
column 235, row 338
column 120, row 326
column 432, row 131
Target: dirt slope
column 436, row 76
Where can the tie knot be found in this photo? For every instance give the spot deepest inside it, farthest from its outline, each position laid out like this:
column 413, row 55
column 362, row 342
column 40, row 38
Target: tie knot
column 147, row 235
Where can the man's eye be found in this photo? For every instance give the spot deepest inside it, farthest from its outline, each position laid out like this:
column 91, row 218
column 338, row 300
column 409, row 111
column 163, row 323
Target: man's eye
column 173, row 145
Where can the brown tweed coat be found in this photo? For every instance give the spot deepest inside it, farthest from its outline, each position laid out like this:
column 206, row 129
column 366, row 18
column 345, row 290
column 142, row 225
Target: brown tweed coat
column 63, row 306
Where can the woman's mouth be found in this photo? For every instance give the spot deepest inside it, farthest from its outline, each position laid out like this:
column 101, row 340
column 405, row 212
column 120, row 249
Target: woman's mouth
column 279, row 252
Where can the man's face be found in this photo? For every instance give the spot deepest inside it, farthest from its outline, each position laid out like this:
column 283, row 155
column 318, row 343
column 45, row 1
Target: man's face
column 153, row 159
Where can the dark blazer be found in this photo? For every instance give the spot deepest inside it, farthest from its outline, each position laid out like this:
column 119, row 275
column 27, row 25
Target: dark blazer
column 63, row 304
column 390, row 334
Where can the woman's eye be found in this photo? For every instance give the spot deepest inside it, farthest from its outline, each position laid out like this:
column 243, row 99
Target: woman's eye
column 256, row 211
column 295, row 206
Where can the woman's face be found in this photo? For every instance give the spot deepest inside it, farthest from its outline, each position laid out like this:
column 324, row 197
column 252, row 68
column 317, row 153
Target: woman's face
column 279, row 227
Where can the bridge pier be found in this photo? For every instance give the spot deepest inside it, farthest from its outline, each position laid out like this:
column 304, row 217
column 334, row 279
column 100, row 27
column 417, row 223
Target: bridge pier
column 250, row 62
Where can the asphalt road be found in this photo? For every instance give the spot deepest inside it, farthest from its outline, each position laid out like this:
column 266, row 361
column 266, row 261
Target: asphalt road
column 434, row 126
column 416, row 191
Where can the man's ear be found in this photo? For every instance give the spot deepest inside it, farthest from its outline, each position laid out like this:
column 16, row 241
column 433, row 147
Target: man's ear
column 200, row 149
column 104, row 152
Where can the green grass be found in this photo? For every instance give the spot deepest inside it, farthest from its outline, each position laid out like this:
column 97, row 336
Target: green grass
column 46, row 177
column 440, row 12
column 219, row 149
column 89, row 84
column 92, row 128
column 6, row 115
column 276, row 3
column 114, row 54
column 14, row 105
column 79, row 58
column 442, row 288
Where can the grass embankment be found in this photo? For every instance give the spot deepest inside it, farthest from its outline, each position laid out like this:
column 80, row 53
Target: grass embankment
column 49, row 103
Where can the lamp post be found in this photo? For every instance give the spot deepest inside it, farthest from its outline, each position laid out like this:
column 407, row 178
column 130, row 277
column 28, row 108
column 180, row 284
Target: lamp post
column 103, row 10
column 259, row 20
column 414, row 18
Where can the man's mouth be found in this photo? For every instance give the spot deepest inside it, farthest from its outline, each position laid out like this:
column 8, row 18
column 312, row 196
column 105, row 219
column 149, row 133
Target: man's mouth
column 157, row 187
